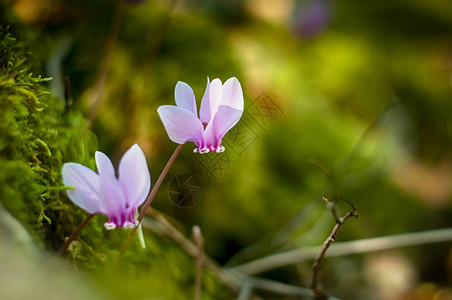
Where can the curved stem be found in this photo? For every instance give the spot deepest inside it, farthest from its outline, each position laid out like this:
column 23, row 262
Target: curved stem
column 148, row 202
column 74, row 234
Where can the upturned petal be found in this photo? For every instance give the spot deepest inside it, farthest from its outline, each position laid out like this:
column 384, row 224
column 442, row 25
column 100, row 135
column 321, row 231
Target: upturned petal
column 181, row 125
column 185, row 97
column 209, row 105
column 104, row 165
column 228, row 117
column 86, row 186
column 232, row 94
column 204, row 110
column 112, row 200
column 134, row 176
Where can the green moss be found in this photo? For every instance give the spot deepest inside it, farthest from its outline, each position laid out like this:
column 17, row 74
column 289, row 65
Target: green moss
column 37, row 135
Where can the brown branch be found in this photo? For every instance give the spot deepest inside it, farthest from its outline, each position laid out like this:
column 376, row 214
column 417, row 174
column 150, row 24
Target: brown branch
column 74, row 234
column 331, row 238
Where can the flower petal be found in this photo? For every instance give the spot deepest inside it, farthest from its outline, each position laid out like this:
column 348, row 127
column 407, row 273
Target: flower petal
column 210, row 104
column 87, row 186
column 228, row 117
column 204, row 110
column 104, row 165
column 232, row 94
column 112, row 199
column 134, row 176
column 212, row 134
column 185, row 97
column 181, row 125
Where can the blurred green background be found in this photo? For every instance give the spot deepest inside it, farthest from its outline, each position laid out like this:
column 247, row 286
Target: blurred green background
column 349, row 100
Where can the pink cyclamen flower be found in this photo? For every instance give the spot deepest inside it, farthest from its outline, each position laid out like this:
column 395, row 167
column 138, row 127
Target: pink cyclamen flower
column 221, row 108
column 103, row 193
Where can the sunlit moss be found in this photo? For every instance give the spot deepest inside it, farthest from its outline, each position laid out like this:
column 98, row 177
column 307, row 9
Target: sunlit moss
column 37, row 134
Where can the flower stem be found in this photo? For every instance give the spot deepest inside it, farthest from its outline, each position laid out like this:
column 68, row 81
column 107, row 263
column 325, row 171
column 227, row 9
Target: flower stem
column 146, row 204
column 74, row 234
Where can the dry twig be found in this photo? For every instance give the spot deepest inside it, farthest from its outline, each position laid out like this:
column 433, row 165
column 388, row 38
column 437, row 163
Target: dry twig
column 331, row 238
column 74, row 235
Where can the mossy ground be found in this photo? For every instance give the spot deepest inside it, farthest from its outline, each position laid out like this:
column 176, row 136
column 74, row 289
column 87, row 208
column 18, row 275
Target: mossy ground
column 37, row 134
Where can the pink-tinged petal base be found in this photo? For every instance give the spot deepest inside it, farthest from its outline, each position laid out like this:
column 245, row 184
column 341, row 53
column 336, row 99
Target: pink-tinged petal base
column 126, row 219
column 213, row 136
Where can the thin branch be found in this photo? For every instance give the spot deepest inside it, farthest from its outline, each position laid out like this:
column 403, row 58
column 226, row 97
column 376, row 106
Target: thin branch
column 345, row 248
column 148, row 202
column 331, row 238
column 279, row 287
column 246, row 291
column 199, row 242
column 74, row 234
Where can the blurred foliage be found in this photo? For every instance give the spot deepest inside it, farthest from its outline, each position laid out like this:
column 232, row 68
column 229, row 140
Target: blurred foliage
column 365, row 102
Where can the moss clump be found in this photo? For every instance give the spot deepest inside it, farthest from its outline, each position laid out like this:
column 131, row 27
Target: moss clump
column 36, row 132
